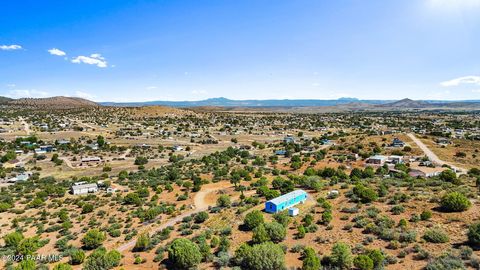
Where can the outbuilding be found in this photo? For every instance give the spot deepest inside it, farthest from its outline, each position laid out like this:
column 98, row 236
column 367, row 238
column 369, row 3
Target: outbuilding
column 293, row 211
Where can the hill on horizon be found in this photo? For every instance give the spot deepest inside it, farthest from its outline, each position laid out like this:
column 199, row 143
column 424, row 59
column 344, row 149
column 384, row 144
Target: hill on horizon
column 59, row 102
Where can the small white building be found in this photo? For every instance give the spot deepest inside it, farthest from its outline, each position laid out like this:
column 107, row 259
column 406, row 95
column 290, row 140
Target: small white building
column 177, row 148
column 333, row 193
column 377, row 160
column 84, row 189
column 293, row 211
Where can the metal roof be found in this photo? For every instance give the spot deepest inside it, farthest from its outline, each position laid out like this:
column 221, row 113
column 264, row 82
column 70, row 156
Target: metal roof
column 85, row 186
column 288, row 196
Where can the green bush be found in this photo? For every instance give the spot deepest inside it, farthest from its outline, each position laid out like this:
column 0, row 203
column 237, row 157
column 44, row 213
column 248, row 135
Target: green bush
column 266, row 256
column 101, row 259
column 77, row 256
column 87, row 208
column 426, row 215
column 455, row 202
column 62, row 266
column 363, row 262
column 201, row 217
column 142, row 243
column 365, row 194
column 436, row 236
column 310, row 259
column 13, row 239
column 93, row 239
column 224, row 201
column 253, row 219
column 184, row 254
column 445, row 262
column 275, row 231
column 341, row 256
column 474, row 233
column 448, row 176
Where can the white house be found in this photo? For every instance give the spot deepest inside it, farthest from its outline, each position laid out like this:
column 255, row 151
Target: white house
column 83, row 189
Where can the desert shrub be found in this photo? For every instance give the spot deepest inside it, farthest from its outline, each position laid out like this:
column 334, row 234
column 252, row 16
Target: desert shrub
column 224, row 201
column 201, row 217
column 448, row 176
column 93, row 239
column 365, row 194
column 142, row 243
column 101, row 259
column 310, row 259
column 28, row 246
column 301, row 231
column 253, row 219
column 466, row 252
column 426, row 215
column 282, row 218
column 474, row 233
column 363, row 262
column 13, row 239
column 62, row 266
column 398, row 209
column 184, row 254
column 327, row 217
column 341, row 256
column 266, row 256
column 87, row 208
column 260, row 235
column 377, row 257
column 77, row 256
column 141, row 161
column 445, row 262
column 408, row 237
column 455, row 202
column 436, row 236
column 275, row 231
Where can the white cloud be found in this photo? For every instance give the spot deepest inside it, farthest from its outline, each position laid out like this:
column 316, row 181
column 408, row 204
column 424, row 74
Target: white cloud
column 94, row 59
column 462, row 80
column 55, row 51
column 151, row 87
column 11, row 85
column 84, row 95
column 199, row 92
column 10, row 47
column 476, row 90
column 27, row 93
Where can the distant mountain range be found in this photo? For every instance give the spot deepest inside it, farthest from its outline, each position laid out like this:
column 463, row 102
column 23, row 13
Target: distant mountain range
column 225, row 102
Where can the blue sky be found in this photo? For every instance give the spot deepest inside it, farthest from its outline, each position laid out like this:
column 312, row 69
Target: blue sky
column 114, row 50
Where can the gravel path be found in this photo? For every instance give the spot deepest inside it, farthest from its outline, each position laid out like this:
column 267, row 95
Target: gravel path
column 432, row 156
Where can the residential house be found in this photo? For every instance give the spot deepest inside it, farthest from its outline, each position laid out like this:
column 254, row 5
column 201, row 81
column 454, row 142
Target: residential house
column 285, row 201
column 377, row 160
column 397, row 143
column 82, row 188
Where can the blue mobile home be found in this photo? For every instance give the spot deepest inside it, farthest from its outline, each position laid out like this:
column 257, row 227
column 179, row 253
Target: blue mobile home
column 285, row 201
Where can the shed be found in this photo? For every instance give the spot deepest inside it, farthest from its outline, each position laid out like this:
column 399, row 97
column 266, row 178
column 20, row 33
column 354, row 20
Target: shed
column 285, row 201
column 293, row 211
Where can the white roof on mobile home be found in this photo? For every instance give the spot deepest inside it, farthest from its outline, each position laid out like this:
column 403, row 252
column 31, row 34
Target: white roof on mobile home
column 288, row 196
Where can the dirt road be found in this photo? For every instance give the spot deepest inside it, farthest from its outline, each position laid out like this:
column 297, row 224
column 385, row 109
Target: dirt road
column 200, row 204
column 431, row 155
column 26, row 126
